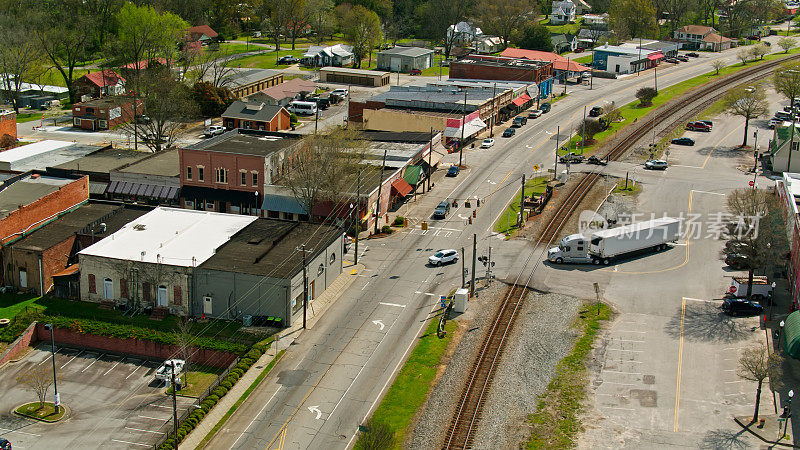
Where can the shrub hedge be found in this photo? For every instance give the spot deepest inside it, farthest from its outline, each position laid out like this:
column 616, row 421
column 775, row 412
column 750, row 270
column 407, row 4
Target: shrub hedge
column 213, row 398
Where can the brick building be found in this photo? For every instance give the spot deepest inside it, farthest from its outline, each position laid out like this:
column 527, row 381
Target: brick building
column 243, row 82
column 99, row 84
column 8, row 124
column 103, row 113
column 256, row 116
column 478, row 67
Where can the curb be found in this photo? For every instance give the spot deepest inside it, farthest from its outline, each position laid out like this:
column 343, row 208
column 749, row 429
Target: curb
column 763, row 439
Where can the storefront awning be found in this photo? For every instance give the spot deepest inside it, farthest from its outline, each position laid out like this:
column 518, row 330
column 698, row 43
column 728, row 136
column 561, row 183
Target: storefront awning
column 655, row 56
column 401, row 187
column 521, row 100
column 412, row 175
column 472, row 128
column 143, row 190
column 282, row 203
column 791, row 335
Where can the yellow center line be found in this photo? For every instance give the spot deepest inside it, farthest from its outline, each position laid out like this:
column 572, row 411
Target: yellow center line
column 716, row 146
column 291, row 416
column 283, row 438
column 680, row 366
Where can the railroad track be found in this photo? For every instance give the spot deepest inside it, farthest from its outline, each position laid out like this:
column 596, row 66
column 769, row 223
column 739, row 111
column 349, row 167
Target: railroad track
column 460, row 433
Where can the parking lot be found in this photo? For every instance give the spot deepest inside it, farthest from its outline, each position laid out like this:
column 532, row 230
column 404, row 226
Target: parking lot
column 113, row 401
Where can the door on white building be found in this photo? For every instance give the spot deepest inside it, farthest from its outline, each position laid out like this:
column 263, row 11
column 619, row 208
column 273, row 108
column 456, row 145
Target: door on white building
column 207, row 302
column 23, row 278
column 394, row 64
column 108, row 289
column 162, row 296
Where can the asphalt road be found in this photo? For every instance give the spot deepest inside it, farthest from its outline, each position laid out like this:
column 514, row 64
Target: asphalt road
column 335, row 372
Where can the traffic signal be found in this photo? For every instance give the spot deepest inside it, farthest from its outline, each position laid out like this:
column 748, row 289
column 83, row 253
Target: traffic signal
column 482, row 259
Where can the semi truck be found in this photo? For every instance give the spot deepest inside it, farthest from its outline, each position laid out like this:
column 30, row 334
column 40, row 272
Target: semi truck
column 603, row 246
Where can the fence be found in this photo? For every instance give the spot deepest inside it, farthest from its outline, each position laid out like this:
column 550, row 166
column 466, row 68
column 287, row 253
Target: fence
column 168, row 430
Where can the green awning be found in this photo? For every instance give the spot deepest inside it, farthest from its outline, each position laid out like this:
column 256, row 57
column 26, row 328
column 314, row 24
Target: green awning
column 412, row 174
column 791, row 335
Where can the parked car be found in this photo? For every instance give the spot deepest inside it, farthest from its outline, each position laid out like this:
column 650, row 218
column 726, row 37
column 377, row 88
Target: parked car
column 141, row 118
column 519, row 121
column 767, row 43
column 693, row 55
column 571, row 158
column 741, row 307
column 736, row 260
column 595, row 160
column 452, row 171
column 534, row 114
column 595, row 111
column 683, row 141
column 707, row 122
column 671, row 60
column 322, row 102
column 773, row 122
column 442, row 209
column 487, row 143
column 698, row 126
column 415, row 72
column 682, row 58
column 754, row 37
column 656, row 164
column 288, row 59
column 214, row 130
column 545, row 107
column 164, row 373
column 509, row 132
column 443, row 257
column 579, row 49
column 342, row 93
column 4, row 444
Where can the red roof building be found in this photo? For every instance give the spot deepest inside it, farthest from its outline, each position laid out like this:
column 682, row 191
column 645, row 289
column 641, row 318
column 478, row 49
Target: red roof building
column 98, row 84
column 201, row 33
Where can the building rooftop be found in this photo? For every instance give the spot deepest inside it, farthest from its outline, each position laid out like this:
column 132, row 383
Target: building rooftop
column 247, row 142
column 66, row 226
column 434, row 97
column 255, row 111
column 104, row 160
column 27, row 190
column 288, row 89
column 104, row 102
column 269, row 248
column 243, row 77
column 45, row 154
column 345, row 70
column 164, row 163
column 411, row 52
column 177, row 237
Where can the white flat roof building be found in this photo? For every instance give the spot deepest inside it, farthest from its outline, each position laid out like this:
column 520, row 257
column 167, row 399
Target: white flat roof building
column 177, row 237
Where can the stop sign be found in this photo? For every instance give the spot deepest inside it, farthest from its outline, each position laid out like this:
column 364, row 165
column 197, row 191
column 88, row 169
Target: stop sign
column 732, row 289
column 751, row 182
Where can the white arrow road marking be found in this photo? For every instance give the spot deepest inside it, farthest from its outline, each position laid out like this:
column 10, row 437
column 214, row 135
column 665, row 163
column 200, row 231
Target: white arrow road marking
column 315, row 409
column 395, row 304
column 491, row 182
column 378, row 322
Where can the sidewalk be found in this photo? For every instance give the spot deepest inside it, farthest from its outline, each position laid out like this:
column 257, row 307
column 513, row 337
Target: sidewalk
column 771, row 432
column 315, row 310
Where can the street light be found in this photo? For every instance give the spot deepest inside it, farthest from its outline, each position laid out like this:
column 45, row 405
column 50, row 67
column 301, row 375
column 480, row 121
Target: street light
column 787, row 412
column 57, row 402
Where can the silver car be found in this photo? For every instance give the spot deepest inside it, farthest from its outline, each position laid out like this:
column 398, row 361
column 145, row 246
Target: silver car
column 164, row 372
column 656, row 164
column 443, row 257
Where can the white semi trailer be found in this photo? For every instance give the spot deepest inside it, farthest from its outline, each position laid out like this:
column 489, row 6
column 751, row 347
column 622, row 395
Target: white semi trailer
column 602, row 246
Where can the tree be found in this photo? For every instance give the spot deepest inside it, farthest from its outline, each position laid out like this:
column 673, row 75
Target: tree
column 589, row 128
column 184, row 339
column 747, row 102
column 19, row 58
column 212, row 100
column 536, row 37
column 718, row 64
column 756, row 364
column 758, row 51
column 275, row 23
column 213, row 66
column 38, row 380
column 7, row 141
column 611, row 114
column 787, row 80
column 323, row 167
column 296, row 23
column 756, row 231
column 743, row 55
column 319, row 14
column 787, row 43
column 503, row 19
column 437, row 16
column 646, row 96
column 379, row 435
column 677, row 10
column 633, row 18
column 362, row 30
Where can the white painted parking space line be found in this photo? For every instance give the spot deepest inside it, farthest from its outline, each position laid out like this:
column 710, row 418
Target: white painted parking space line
column 630, row 331
column 699, row 300
column 145, row 431
column 737, row 381
column 621, row 384
column 153, row 418
column 617, row 407
column 625, row 350
column 135, row 370
column 115, row 365
column 629, row 340
column 626, row 373
column 392, row 304
column 71, row 359
column 92, row 363
column 161, row 406
column 708, row 192
column 132, row 443
column 9, row 431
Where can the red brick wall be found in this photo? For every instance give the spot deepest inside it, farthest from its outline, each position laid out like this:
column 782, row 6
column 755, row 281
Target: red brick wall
column 19, row 345
column 55, row 259
column 43, row 210
column 8, row 125
column 278, row 123
column 480, row 72
column 212, row 160
column 147, row 349
column 355, row 111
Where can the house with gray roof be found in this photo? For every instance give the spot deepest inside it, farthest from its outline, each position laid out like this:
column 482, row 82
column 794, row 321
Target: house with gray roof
column 338, row 55
column 256, row 116
column 404, row 59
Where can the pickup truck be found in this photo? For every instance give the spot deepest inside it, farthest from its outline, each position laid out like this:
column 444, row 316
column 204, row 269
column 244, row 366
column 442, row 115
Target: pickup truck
column 571, row 158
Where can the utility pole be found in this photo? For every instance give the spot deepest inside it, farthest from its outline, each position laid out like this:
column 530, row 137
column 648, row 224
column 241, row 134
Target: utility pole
column 655, row 77
column 494, row 110
column 316, row 121
column 305, row 283
column 463, row 270
column 474, row 256
column 555, row 169
column 791, row 145
column 378, row 202
column 521, row 204
column 566, row 75
column 358, row 216
column 591, row 71
column 174, row 404
column 463, row 125
column 430, row 160
column 583, row 129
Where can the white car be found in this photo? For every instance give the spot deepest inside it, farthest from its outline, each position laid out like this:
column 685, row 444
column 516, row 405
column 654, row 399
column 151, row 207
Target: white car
column 214, row 130
column 487, row 143
column 443, row 257
column 164, row 373
column 534, row 114
column 656, row 164
column 343, row 93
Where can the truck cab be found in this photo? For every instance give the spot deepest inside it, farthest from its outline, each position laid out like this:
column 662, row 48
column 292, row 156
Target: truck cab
column 572, row 248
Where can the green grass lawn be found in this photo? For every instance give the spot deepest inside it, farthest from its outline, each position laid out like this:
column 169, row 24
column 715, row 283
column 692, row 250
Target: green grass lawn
column 54, row 78
column 13, row 304
column 566, row 28
column 507, row 222
column 233, row 49
column 556, row 422
column 410, row 389
column 199, row 379
column 266, row 60
column 45, row 413
column 632, row 189
column 28, row 117
column 585, row 60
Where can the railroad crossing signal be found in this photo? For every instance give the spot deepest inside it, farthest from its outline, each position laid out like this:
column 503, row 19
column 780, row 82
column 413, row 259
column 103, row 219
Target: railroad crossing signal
column 536, row 167
column 751, row 183
column 443, row 300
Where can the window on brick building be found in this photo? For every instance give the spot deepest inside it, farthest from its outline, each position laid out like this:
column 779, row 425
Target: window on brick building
column 221, row 175
column 244, row 178
column 189, row 173
column 178, row 297
column 200, row 174
column 255, row 178
column 91, row 281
